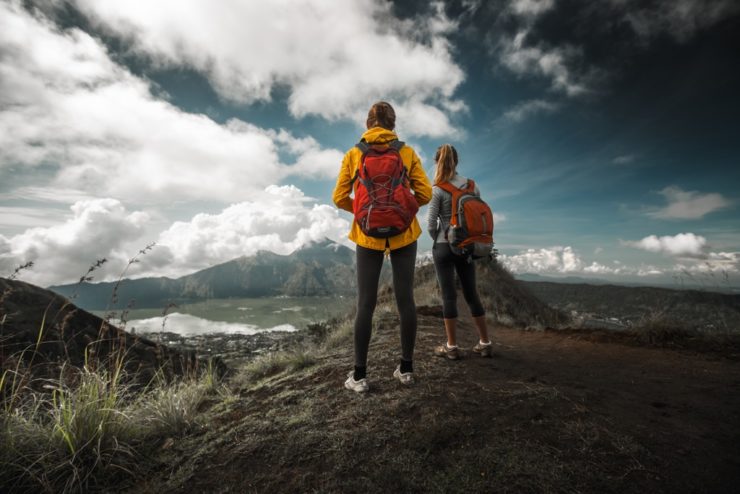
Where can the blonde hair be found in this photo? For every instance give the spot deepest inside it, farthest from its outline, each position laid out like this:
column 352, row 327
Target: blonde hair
column 446, row 159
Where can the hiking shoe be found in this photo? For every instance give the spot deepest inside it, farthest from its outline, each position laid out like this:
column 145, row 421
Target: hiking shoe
column 405, row 377
column 360, row 386
column 484, row 350
column 447, row 352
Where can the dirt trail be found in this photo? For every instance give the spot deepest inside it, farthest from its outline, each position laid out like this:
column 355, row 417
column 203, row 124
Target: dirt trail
column 549, row 412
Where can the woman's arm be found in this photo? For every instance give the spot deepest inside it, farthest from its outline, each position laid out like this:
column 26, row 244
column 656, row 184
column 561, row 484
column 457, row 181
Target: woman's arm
column 343, row 188
column 433, row 212
column 419, row 181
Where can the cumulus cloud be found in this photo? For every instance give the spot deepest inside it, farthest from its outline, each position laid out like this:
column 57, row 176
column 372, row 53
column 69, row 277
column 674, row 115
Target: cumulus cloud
column 68, row 106
column 328, row 55
column 279, row 219
column 689, row 205
column 692, row 250
column 683, row 244
column 97, row 229
column 526, row 109
column 546, row 260
column 715, row 262
column 566, row 260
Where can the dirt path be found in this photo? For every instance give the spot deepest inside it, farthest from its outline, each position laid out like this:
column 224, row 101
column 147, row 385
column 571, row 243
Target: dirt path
column 548, row 413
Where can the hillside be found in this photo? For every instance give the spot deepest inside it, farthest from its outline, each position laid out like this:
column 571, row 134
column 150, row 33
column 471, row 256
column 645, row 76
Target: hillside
column 702, row 310
column 321, row 268
column 554, row 410
column 550, row 412
column 44, row 331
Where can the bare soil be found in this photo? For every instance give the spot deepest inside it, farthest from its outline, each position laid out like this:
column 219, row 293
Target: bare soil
column 550, row 412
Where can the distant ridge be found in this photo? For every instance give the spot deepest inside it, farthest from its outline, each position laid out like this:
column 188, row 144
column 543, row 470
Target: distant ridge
column 317, row 269
column 581, row 280
column 40, row 327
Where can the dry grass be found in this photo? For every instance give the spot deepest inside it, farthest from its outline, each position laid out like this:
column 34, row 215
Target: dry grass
column 88, row 427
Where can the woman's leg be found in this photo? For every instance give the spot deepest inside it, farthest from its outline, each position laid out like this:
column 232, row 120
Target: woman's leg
column 444, row 265
column 369, row 264
column 466, row 273
column 403, row 262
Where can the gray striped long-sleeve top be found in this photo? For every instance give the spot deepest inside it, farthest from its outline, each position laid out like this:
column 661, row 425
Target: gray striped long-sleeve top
column 440, row 209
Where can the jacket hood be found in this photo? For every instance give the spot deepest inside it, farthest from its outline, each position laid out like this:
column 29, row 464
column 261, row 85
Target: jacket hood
column 379, row 135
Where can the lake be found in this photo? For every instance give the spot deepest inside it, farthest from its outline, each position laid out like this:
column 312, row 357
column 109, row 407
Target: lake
column 245, row 316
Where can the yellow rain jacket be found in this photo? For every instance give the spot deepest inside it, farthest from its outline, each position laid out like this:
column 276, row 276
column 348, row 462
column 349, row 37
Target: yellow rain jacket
column 419, row 182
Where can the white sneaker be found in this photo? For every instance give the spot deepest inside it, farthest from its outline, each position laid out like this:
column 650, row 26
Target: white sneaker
column 360, row 386
column 405, row 377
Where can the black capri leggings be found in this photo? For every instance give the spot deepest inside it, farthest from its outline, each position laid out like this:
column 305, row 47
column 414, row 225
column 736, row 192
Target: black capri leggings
column 369, row 264
column 446, row 263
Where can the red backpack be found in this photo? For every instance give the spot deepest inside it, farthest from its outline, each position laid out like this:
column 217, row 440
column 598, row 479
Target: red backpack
column 471, row 223
column 383, row 205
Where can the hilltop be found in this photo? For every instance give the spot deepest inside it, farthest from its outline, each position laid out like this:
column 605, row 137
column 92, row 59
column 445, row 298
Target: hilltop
column 550, row 412
column 554, row 410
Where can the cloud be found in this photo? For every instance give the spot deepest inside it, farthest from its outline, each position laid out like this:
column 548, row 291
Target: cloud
column 689, row 205
column 692, row 250
column 526, row 109
column 20, row 216
column 683, row 244
column 715, row 262
column 334, row 58
column 680, row 19
column 566, row 260
column 531, row 7
column 62, row 253
column 279, row 219
column 624, row 159
column 68, row 107
column 539, row 60
column 524, row 55
column 546, row 260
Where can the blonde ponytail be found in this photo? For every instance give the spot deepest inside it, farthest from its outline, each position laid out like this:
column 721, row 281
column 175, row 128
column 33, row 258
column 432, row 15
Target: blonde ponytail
column 446, row 159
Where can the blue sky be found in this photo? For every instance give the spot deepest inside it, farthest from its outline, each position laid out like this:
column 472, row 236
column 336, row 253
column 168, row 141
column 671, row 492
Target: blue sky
column 603, row 133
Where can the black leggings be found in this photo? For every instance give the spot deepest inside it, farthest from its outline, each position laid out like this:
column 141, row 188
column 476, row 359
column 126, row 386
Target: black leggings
column 446, row 263
column 369, row 264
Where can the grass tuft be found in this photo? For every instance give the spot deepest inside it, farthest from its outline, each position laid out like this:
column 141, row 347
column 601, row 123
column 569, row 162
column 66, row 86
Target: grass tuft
column 275, row 363
column 87, row 428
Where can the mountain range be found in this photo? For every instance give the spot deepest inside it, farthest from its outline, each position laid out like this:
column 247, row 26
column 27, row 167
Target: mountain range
column 320, row 268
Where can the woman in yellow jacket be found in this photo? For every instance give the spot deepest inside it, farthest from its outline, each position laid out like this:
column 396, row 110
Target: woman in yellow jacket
column 381, row 121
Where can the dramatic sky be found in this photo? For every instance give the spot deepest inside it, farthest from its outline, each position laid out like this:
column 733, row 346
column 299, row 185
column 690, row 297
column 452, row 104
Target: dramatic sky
column 604, row 133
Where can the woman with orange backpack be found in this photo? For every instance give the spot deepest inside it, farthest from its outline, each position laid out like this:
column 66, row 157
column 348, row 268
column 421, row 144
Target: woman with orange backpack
column 448, row 258
column 380, row 172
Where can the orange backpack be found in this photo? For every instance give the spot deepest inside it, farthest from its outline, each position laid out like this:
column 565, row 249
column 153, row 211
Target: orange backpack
column 471, row 225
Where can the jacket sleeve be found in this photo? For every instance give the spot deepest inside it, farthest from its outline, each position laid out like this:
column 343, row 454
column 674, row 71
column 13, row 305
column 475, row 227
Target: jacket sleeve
column 419, row 181
column 343, row 188
column 433, row 213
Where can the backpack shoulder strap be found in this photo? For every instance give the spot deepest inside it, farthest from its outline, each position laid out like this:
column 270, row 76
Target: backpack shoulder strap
column 397, row 145
column 455, row 193
column 447, row 187
column 362, row 146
